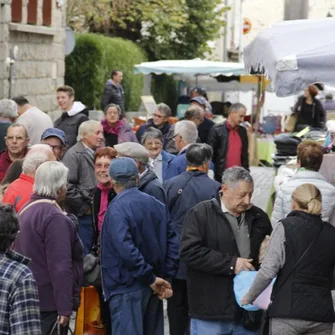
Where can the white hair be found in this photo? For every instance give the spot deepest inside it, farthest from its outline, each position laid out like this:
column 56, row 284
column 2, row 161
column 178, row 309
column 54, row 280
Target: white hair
column 8, row 108
column 50, row 178
column 38, row 154
column 187, row 130
column 86, row 128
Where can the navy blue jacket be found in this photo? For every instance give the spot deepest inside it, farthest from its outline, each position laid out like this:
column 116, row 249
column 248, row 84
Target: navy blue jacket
column 138, row 243
column 178, row 165
column 150, row 184
column 166, row 159
column 196, row 186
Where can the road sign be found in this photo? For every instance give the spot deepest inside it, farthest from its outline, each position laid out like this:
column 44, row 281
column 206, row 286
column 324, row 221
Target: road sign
column 246, row 26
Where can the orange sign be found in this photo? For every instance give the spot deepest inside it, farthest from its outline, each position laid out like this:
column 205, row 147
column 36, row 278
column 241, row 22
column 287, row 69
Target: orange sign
column 246, row 26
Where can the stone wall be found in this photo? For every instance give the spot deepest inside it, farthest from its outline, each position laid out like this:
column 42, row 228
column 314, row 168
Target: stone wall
column 39, row 68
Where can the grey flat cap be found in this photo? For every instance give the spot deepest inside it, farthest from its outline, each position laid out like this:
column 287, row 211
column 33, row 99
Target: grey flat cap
column 133, row 150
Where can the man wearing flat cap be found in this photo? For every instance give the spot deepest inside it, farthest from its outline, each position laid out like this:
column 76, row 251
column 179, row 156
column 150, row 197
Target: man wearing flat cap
column 138, row 249
column 149, row 182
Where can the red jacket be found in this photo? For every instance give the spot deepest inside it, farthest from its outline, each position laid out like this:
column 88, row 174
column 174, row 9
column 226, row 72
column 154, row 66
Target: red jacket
column 19, row 192
column 5, row 162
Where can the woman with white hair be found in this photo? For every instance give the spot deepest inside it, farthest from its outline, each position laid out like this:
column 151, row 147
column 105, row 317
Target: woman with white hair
column 8, row 114
column 49, row 238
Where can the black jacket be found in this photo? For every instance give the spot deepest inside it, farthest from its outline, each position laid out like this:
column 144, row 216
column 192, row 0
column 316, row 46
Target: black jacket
column 96, row 210
column 70, row 125
column 318, row 116
column 209, row 249
column 113, row 94
column 218, row 139
column 204, row 130
column 184, row 192
column 303, row 291
column 150, row 184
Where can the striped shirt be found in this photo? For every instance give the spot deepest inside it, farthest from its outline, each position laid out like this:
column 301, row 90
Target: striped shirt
column 19, row 304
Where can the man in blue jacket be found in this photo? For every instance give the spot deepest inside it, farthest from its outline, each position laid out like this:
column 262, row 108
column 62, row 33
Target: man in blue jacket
column 149, row 182
column 138, row 249
column 183, row 193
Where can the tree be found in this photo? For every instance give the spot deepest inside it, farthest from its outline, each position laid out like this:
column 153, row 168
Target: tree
column 166, row 29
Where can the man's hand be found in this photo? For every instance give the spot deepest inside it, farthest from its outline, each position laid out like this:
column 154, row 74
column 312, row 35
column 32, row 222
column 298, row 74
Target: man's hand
column 63, row 320
column 243, row 264
column 162, row 288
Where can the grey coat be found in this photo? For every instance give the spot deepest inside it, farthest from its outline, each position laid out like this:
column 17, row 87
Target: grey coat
column 82, row 180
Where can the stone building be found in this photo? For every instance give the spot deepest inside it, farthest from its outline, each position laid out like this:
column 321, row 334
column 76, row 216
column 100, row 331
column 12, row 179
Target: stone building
column 33, row 33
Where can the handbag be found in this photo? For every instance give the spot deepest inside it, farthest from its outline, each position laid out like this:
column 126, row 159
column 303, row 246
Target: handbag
column 92, row 270
column 290, row 123
column 265, row 330
column 57, row 329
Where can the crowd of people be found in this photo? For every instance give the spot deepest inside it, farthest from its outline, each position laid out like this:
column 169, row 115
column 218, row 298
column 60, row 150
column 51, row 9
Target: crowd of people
column 166, row 213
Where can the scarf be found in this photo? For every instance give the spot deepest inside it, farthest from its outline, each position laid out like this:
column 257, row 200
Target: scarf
column 103, row 204
column 112, row 130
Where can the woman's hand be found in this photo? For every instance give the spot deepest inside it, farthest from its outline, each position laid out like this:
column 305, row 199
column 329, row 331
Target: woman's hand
column 244, row 301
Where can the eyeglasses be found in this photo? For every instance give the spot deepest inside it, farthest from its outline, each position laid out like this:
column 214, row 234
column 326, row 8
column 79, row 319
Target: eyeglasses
column 156, row 143
column 174, row 137
column 56, row 148
column 101, row 166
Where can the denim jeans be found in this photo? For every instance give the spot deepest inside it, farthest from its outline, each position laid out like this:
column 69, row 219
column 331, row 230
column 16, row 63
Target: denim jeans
column 138, row 312
column 86, row 232
column 208, row 327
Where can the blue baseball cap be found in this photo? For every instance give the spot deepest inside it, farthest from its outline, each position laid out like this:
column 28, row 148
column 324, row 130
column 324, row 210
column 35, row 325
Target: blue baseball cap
column 122, row 168
column 203, row 102
column 54, row 132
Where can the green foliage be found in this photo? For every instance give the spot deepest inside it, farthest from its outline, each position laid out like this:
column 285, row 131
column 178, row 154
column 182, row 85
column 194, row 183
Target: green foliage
column 166, row 29
column 164, row 89
column 91, row 63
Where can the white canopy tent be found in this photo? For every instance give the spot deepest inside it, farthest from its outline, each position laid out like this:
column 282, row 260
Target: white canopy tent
column 192, row 66
column 294, row 54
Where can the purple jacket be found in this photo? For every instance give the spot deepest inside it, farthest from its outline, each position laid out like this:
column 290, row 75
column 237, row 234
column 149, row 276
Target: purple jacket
column 50, row 239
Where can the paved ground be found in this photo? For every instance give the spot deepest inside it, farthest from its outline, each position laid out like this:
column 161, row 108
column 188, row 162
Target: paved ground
column 263, row 179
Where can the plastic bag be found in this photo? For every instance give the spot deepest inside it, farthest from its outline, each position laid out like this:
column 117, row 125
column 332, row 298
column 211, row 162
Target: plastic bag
column 242, row 284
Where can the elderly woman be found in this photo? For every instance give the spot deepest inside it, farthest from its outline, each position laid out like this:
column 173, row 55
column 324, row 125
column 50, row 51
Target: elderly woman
column 159, row 159
column 104, row 194
column 301, row 254
column 49, row 238
column 309, row 110
column 116, row 130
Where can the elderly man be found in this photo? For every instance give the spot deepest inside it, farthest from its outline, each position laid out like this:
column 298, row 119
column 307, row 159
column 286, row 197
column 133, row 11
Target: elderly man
column 20, row 311
column 205, row 127
column 8, row 114
column 113, row 92
column 56, row 139
column 159, row 159
column 74, row 113
column 19, row 192
column 17, row 146
column 160, row 121
column 184, row 192
column 219, row 240
column 185, row 133
column 309, row 156
column 195, row 114
column 82, row 181
column 149, row 182
column 229, row 141
column 139, row 245
column 33, row 119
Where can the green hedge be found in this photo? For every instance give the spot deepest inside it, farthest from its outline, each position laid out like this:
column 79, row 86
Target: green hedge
column 164, row 88
column 91, row 63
